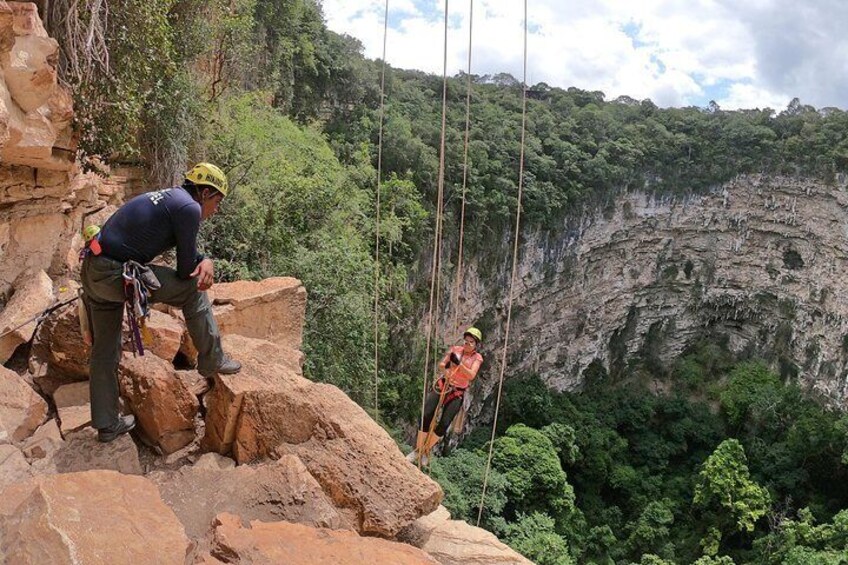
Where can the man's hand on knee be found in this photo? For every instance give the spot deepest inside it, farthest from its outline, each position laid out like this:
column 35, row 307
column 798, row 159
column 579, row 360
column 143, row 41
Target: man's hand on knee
column 205, row 274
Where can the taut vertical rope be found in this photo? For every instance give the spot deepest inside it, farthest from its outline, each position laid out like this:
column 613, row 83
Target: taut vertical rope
column 377, row 224
column 514, row 271
column 438, row 231
column 454, row 326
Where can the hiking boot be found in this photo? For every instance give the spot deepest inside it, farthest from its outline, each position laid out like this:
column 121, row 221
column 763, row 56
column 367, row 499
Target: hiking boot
column 228, row 366
column 124, row 424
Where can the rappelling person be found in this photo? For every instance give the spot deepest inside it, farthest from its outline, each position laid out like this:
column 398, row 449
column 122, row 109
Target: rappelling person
column 116, row 268
column 460, row 366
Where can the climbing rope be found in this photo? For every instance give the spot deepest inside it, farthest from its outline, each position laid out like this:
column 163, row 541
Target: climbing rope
column 458, row 284
column 431, row 329
column 40, row 317
column 377, row 224
column 514, row 271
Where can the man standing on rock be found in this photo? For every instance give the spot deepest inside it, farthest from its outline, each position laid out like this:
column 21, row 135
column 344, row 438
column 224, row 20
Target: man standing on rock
column 139, row 231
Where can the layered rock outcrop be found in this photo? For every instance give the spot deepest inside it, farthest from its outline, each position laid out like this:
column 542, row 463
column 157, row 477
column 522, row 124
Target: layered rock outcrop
column 35, row 114
column 40, row 205
column 759, row 262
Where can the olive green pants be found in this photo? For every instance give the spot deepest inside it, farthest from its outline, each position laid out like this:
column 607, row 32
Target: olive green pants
column 103, row 284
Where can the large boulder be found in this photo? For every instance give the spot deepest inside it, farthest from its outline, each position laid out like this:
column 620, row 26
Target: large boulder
column 34, row 232
column 267, row 410
column 92, row 517
column 58, row 352
column 295, row 544
column 272, row 309
column 22, row 410
column 282, row 490
column 160, row 399
column 33, row 294
column 455, row 542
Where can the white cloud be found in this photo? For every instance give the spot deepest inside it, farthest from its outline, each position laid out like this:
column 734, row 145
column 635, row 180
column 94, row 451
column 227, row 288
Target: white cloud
column 676, row 52
column 749, row 96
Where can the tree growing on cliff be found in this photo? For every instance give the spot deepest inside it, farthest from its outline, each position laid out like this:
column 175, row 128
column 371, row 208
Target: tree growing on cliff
column 731, row 501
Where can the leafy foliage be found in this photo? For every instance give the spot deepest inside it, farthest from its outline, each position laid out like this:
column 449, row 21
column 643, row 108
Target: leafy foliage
column 657, row 480
column 725, row 484
column 295, row 210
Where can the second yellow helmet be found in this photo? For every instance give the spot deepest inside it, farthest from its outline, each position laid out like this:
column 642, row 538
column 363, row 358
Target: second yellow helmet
column 209, row 174
column 475, row 333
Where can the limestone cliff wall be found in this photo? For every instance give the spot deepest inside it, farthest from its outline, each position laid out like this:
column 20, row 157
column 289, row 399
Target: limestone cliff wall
column 760, row 261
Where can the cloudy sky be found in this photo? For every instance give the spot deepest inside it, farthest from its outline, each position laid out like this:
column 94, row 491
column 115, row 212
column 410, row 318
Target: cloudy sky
column 740, row 53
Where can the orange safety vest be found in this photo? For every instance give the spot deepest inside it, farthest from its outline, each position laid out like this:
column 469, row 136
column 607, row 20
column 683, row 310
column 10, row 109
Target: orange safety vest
column 461, row 375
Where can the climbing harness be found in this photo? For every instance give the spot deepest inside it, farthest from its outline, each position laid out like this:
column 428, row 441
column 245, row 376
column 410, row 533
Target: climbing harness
column 447, row 393
column 424, row 453
column 139, row 282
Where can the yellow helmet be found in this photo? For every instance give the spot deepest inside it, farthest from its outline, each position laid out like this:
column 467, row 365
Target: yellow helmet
column 475, row 333
column 90, row 232
column 210, row 175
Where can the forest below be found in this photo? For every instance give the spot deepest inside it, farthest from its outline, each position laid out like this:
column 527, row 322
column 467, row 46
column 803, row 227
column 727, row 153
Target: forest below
column 727, row 463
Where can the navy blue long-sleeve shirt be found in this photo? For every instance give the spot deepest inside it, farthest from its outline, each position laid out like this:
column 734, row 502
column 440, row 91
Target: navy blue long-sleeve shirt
column 152, row 223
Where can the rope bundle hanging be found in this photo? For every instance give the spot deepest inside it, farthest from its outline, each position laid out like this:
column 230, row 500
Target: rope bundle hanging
column 514, row 271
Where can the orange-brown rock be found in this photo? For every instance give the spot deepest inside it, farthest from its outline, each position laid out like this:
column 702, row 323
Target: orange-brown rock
column 281, row 490
column 294, row 544
column 33, row 294
column 95, row 517
column 58, row 351
column 267, row 410
column 272, row 309
column 167, row 333
column 13, row 467
column 82, row 452
column 43, row 443
column 161, row 401
column 22, row 410
column 35, row 112
column 455, row 542
column 73, row 405
column 34, row 233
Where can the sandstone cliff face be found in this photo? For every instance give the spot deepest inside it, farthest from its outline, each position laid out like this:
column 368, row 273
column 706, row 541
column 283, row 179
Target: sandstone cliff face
column 760, row 261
